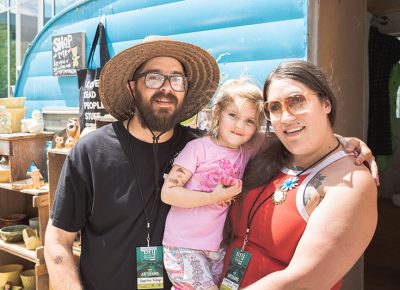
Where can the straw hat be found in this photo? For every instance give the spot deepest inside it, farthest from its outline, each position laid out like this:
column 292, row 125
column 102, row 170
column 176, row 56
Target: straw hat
column 200, row 67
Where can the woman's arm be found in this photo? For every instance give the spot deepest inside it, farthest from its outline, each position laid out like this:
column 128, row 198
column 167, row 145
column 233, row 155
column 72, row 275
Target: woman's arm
column 174, row 193
column 337, row 233
column 60, row 261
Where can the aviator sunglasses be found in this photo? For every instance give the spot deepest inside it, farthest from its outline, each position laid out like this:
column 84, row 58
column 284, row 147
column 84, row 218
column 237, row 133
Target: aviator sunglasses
column 155, row 80
column 297, row 103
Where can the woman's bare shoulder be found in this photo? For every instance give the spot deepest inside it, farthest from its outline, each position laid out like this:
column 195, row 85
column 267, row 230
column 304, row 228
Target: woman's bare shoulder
column 345, row 175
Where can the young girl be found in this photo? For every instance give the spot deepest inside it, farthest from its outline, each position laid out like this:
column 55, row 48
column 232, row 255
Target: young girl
column 204, row 178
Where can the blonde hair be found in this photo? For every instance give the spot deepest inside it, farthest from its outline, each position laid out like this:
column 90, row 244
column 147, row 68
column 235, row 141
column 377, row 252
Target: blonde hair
column 244, row 88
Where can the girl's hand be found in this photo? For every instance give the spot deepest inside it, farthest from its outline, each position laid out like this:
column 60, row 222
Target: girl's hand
column 228, row 180
column 226, row 190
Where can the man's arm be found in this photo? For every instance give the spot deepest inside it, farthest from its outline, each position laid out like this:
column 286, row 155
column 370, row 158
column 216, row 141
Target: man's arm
column 60, row 261
column 362, row 152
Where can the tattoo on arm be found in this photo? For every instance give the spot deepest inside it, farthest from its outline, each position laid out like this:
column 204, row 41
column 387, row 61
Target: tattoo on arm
column 173, row 180
column 311, row 193
column 316, row 181
column 307, row 195
column 58, row 260
column 177, row 177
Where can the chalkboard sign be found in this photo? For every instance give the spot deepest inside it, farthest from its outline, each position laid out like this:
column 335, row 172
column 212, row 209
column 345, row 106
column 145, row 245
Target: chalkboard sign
column 68, row 54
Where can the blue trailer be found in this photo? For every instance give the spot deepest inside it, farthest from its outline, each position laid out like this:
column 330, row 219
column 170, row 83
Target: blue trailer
column 246, row 37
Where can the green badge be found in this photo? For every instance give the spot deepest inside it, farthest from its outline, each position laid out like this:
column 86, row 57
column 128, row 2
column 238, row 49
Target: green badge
column 149, row 268
column 236, row 269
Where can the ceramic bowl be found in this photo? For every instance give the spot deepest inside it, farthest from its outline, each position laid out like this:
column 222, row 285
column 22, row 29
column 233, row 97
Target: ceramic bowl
column 28, row 279
column 12, row 233
column 34, row 223
column 12, row 219
column 10, row 272
column 13, row 288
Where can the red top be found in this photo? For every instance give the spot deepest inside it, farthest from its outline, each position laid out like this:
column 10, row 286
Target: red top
column 274, row 232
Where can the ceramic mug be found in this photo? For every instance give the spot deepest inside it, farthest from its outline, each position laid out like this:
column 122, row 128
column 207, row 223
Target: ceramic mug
column 34, row 223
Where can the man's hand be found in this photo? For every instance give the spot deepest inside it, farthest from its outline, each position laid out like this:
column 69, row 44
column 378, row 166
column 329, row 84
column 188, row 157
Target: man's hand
column 363, row 154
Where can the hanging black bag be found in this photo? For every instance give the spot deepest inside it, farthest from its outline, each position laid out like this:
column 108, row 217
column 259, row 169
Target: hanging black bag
column 90, row 105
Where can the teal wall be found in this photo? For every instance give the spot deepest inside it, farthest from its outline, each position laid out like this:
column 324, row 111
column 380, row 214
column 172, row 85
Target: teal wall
column 245, row 36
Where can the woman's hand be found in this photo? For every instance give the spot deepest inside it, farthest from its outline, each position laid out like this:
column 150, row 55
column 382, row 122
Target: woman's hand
column 362, row 152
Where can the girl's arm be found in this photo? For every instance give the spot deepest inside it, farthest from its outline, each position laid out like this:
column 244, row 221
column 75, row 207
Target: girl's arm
column 174, row 193
column 337, row 233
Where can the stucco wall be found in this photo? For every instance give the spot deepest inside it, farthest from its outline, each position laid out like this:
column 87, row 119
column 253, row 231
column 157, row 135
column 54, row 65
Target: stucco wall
column 342, row 55
column 340, row 50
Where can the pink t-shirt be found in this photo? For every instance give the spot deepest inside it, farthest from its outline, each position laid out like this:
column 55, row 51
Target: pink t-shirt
column 201, row 227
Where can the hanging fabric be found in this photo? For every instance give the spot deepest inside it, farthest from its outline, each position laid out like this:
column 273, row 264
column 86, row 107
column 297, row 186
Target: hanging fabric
column 384, row 52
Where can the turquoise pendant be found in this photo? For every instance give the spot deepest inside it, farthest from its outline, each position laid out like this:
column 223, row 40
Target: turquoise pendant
column 279, row 195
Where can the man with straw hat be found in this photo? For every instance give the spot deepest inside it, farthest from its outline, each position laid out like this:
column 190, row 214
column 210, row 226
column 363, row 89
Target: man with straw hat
column 109, row 188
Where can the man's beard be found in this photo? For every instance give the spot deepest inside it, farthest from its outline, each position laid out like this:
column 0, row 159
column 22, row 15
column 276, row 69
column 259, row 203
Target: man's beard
column 158, row 120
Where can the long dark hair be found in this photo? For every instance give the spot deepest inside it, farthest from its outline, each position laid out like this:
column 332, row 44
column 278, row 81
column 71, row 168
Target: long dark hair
column 273, row 156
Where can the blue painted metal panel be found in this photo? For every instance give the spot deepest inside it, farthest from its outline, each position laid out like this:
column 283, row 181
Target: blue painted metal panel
column 246, row 36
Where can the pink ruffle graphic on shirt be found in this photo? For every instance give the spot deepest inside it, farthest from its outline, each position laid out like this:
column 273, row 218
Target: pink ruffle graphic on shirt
column 224, row 164
column 212, row 177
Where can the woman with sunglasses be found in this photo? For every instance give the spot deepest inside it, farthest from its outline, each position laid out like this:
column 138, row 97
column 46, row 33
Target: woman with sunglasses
column 307, row 212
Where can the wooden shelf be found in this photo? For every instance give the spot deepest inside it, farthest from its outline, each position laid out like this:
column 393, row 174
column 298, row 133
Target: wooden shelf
column 42, row 190
column 56, row 158
column 18, row 249
column 21, row 149
column 58, row 151
column 13, row 136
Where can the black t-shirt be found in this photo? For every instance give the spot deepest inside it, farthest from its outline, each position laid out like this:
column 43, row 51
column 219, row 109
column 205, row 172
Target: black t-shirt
column 98, row 193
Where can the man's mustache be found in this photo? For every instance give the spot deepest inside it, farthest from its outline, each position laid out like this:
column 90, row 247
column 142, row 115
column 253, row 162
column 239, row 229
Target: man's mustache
column 170, row 97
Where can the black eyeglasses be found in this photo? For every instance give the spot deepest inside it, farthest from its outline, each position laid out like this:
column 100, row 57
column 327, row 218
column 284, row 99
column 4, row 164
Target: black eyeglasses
column 154, row 80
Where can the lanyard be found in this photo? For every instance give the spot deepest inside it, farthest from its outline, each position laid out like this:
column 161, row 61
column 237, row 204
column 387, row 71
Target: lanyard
column 147, row 216
column 250, row 216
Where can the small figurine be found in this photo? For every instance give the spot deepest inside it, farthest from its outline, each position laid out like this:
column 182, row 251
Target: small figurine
column 73, row 129
column 59, row 140
column 36, row 124
column 31, row 238
column 69, row 143
column 8, row 285
column 36, row 178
